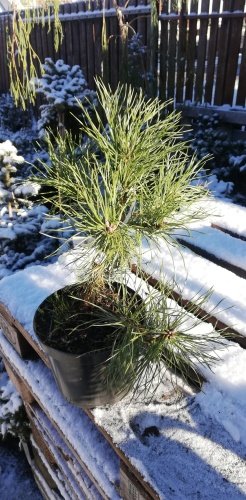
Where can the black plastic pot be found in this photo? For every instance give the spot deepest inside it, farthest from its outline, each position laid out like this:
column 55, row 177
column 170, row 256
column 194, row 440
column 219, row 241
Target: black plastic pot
column 80, row 377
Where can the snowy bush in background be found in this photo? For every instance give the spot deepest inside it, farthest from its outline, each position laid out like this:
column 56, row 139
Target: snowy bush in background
column 12, row 117
column 20, row 221
column 61, row 86
column 13, row 419
column 228, row 156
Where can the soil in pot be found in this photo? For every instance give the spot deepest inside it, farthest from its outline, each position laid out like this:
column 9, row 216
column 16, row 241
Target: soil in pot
column 77, row 349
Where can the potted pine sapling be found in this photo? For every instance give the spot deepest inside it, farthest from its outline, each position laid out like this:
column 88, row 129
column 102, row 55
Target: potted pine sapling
column 135, row 182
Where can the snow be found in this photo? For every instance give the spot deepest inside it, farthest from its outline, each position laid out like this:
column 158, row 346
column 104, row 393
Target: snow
column 16, row 483
column 90, row 445
column 217, row 243
column 24, row 291
column 228, row 216
column 192, row 275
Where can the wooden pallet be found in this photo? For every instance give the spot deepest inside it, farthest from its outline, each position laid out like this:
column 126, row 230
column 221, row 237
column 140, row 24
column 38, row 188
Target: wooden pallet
column 132, row 485
column 37, row 413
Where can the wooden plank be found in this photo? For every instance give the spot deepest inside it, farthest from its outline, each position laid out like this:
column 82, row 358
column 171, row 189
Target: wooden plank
column 60, row 452
column 191, row 53
column 234, row 44
column 15, row 338
column 132, row 470
column 15, row 324
column 163, row 61
column 90, row 47
column 163, row 56
column 130, row 487
column 4, row 66
column 227, row 231
column 213, row 258
column 212, row 52
column 38, row 436
column 201, row 54
column 172, row 48
column 75, row 33
column 224, row 38
column 181, row 56
column 82, row 42
column 68, row 36
column 28, row 396
column 237, row 117
column 200, row 313
column 18, row 382
column 113, row 52
column 241, row 93
column 97, row 35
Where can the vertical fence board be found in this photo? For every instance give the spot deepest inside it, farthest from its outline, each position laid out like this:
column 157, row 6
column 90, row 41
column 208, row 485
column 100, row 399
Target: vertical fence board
column 201, row 53
column 2, row 54
column 172, row 47
column 82, row 42
column 98, row 42
column 191, row 53
column 241, row 93
column 181, row 56
column 212, row 52
column 113, row 49
column 75, row 37
column 90, row 46
column 234, row 47
column 224, row 37
column 163, row 56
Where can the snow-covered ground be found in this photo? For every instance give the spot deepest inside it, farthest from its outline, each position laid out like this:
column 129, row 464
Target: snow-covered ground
column 16, row 479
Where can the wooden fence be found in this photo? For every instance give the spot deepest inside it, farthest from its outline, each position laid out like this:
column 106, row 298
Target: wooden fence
column 201, row 47
column 203, row 52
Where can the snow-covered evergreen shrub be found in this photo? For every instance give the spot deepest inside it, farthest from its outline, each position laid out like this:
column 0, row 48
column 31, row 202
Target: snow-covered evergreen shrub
column 20, row 221
column 228, row 156
column 136, row 61
column 61, row 86
column 12, row 117
column 13, row 419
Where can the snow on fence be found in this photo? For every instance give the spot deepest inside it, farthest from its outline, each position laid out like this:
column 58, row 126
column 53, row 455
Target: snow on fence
column 201, row 46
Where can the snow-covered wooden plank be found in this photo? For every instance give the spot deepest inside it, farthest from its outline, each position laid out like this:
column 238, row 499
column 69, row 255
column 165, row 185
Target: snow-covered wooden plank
column 226, row 216
column 13, row 333
column 190, row 275
column 90, row 448
column 61, row 453
column 218, row 247
column 60, row 482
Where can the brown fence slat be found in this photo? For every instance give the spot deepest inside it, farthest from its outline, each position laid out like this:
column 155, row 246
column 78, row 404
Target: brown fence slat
column 98, row 42
column 224, row 38
column 163, row 56
column 82, row 42
column 113, row 51
column 172, row 53
column 75, row 37
column 212, row 51
column 181, row 56
column 201, row 53
column 2, row 61
column 191, row 53
column 241, row 93
column 232, row 59
column 90, row 46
